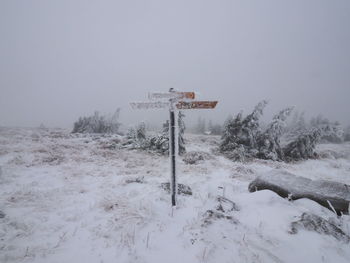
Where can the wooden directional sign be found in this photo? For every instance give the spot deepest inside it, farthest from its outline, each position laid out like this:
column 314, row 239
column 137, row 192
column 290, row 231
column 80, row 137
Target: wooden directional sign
column 149, row 105
column 189, row 105
column 171, row 95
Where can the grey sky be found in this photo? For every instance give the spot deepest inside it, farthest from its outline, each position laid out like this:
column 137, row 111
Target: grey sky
column 63, row 59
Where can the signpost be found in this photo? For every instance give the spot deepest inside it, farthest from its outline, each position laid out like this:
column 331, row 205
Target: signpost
column 174, row 101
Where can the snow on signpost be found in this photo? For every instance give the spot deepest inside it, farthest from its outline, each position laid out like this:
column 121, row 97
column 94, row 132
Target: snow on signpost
column 174, row 101
column 149, row 105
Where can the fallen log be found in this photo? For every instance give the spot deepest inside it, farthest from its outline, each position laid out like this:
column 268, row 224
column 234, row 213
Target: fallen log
column 332, row 195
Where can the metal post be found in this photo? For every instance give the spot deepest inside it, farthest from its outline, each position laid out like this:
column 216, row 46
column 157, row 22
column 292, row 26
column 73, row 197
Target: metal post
column 172, row 154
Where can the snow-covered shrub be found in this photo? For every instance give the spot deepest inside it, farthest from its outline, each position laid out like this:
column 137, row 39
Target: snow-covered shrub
column 269, row 140
column 330, row 131
column 195, row 156
column 333, row 133
column 160, row 142
column 243, row 139
column 240, row 136
column 243, row 154
column 136, row 138
column 303, row 147
column 97, row 124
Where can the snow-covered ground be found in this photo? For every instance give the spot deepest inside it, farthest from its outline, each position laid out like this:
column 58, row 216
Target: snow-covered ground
column 77, row 198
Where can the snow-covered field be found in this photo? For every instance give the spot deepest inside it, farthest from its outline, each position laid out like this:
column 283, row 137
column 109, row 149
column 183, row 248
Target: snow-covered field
column 78, row 198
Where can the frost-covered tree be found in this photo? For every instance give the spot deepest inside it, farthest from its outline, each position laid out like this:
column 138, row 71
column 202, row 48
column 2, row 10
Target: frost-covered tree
column 232, row 130
column 333, row 133
column 330, row 131
column 251, row 126
column 304, row 144
column 269, row 141
column 303, row 147
column 242, row 138
column 239, row 139
column 97, row 124
column 230, row 144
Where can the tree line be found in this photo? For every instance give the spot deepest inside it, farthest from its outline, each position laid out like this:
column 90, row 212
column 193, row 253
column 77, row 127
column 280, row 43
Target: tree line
column 242, row 137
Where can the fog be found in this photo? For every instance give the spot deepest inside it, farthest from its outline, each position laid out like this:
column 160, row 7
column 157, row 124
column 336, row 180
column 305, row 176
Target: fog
column 63, row 59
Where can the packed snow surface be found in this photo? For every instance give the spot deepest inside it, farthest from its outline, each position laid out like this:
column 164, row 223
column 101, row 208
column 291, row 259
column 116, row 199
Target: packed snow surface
column 81, row 198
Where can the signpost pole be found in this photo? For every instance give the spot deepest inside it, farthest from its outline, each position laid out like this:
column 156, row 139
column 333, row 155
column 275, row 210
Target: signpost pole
column 173, row 150
column 172, row 153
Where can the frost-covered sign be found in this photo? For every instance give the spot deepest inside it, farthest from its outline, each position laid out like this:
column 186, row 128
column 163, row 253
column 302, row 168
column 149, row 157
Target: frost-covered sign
column 171, row 95
column 185, row 105
column 149, row 105
column 173, row 100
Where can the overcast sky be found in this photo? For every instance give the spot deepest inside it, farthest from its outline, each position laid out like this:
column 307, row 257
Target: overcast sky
column 63, row 59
